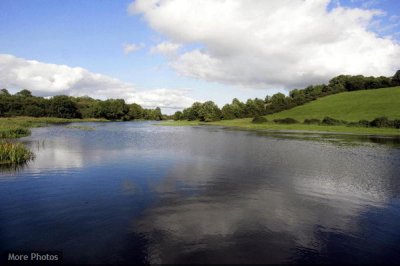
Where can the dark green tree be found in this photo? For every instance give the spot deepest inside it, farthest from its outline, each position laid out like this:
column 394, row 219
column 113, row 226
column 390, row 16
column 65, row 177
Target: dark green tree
column 396, row 79
column 62, row 106
column 112, row 109
column 24, row 93
column 4, row 92
column 135, row 111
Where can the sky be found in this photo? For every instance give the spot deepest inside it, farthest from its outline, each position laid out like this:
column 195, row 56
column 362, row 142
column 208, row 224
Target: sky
column 170, row 53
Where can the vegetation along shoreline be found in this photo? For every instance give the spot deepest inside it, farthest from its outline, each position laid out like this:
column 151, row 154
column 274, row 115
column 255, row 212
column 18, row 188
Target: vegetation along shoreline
column 347, row 104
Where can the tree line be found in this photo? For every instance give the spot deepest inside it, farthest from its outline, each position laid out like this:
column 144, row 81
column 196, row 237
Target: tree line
column 209, row 111
column 23, row 103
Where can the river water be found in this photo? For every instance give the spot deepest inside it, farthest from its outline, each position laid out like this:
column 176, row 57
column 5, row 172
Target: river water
column 135, row 192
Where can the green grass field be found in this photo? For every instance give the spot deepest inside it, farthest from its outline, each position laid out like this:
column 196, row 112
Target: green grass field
column 349, row 106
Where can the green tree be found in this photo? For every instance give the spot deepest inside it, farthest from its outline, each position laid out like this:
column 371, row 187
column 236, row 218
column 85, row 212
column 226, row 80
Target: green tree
column 337, row 84
column 62, row 106
column 135, row 111
column 209, row 112
column 24, row 93
column 396, row 79
column 177, row 115
column 34, row 110
column 355, row 83
column 192, row 113
column 238, row 108
column 112, row 109
column 227, row 112
column 251, row 108
column 157, row 114
column 86, row 106
column 260, row 106
column 4, row 92
column 278, row 99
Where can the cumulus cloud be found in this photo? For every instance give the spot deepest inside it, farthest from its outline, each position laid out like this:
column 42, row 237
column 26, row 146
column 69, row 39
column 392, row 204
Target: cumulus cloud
column 276, row 43
column 166, row 48
column 166, row 98
column 132, row 47
column 50, row 79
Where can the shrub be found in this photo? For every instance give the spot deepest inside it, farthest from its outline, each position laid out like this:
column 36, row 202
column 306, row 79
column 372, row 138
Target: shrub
column 312, row 121
column 286, row 121
column 381, row 122
column 353, row 124
column 259, row 120
column 332, row 121
column 363, row 123
column 396, row 123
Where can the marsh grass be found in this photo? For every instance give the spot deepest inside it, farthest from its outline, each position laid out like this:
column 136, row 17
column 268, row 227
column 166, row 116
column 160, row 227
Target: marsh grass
column 10, row 132
column 14, row 153
column 17, row 127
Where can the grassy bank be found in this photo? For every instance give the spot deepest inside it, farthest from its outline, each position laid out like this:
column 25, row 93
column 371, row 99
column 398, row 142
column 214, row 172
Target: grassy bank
column 348, row 106
column 16, row 127
column 246, row 124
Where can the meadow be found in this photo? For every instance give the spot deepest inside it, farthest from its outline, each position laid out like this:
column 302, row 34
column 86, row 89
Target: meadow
column 349, row 106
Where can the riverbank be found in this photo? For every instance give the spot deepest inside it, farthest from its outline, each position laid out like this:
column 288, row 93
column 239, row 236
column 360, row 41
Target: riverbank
column 246, row 124
column 16, row 127
column 12, row 152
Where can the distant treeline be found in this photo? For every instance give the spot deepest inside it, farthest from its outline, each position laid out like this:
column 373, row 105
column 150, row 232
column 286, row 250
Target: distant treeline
column 209, row 111
column 24, row 103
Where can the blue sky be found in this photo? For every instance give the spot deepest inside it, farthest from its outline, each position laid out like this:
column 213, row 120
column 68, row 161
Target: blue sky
column 91, row 34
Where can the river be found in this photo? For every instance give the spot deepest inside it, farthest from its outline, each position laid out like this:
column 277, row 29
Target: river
column 135, row 192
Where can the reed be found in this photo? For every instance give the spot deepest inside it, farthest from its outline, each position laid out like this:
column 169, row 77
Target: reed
column 14, row 153
column 11, row 132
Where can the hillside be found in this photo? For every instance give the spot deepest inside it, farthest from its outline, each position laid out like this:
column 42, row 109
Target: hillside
column 349, row 106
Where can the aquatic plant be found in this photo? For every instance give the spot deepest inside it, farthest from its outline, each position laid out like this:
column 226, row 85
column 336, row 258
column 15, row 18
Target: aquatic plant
column 14, row 153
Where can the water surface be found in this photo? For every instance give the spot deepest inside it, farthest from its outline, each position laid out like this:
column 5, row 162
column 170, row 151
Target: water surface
column 140, row 193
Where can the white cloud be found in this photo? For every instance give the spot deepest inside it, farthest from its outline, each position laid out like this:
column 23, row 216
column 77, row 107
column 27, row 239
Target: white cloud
column 275, row 43
column 166, row 98
column 166, row 48
column 132, row 47
column 45, row 79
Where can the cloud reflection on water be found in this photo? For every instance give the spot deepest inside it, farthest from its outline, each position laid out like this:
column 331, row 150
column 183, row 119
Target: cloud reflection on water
column 286, row 199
